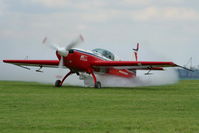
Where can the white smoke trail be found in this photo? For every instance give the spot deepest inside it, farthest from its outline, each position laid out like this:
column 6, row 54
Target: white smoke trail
column 168, row 76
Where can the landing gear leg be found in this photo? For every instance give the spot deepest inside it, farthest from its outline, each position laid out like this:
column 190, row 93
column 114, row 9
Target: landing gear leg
column 97, row 84
column 59, row 83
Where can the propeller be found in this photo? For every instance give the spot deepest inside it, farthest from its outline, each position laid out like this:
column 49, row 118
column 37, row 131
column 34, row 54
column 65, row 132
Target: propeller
column 63, row 51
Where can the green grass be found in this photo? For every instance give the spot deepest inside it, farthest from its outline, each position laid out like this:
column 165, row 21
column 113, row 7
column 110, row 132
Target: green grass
column 40, row 108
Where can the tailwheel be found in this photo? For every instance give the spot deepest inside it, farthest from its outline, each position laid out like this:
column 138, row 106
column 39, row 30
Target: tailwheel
column 98, row 84
column 58, row 83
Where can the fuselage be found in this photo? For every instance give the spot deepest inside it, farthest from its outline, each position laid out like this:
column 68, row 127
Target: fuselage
column 79, row 60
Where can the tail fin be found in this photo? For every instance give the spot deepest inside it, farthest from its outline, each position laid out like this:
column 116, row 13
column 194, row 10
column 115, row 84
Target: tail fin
column 136, row 52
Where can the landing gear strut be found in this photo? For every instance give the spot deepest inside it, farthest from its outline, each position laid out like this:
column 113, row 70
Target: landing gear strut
column 97, row 84
column 59, row 83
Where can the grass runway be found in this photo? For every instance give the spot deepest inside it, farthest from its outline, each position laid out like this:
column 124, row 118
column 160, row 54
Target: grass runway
column 27, row 107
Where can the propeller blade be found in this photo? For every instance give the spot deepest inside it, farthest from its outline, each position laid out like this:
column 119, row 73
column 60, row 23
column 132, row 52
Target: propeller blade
column 60, row 67
column 75, row 42
column 44, row 40
column 61, row 62
column 49, row 44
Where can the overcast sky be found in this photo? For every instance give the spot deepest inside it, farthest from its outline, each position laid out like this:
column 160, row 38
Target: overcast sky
column 167, row 30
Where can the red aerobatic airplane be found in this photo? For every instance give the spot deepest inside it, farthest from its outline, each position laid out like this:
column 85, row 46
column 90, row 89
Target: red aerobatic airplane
column 90, row 63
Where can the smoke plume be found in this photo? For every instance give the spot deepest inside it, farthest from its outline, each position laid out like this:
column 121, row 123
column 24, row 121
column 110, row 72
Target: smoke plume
column 168, row 76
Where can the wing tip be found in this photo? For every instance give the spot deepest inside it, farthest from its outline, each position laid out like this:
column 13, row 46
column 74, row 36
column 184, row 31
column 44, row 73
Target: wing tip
column 5, row 61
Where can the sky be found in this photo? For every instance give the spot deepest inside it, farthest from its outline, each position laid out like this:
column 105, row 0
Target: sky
column 167, row 30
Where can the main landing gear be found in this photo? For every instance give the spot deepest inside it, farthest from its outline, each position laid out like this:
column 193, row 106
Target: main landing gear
column 59, row 83
column 97, row 84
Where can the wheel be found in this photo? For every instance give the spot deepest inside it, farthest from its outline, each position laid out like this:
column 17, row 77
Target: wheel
column 98, row 84
column 58, row 83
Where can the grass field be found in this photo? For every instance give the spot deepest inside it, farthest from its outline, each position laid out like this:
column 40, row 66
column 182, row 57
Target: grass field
column 40, row 108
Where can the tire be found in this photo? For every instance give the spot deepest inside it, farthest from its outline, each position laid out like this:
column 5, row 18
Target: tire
column 98, row 85
column 58, row 83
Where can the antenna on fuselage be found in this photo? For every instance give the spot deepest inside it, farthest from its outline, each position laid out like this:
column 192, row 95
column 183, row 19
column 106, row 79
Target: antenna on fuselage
column 136, row 52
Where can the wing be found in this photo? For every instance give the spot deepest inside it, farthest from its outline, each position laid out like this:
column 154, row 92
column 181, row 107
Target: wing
column 133, row 65
column 37, row 63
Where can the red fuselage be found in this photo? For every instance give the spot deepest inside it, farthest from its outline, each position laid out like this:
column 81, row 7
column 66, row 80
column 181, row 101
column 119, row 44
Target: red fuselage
column 81, row 60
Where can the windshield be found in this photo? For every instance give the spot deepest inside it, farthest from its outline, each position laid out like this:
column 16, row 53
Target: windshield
column 104, row 53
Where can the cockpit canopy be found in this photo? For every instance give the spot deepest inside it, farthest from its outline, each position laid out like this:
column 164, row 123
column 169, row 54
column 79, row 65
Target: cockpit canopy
column 104, row 53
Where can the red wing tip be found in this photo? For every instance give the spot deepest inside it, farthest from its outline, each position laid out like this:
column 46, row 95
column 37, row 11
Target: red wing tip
column 6, row 61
